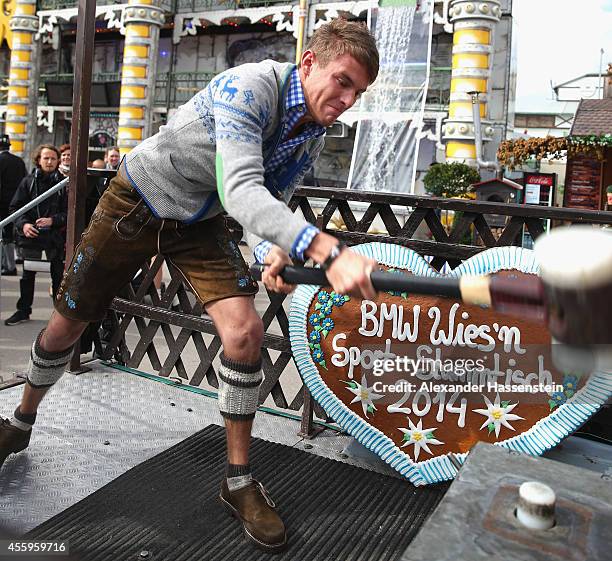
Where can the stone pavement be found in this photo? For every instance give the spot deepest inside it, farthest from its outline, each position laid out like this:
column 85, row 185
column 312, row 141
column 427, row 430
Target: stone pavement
column 15, row 341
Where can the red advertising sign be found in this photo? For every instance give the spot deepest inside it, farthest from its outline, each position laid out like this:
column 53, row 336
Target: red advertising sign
column 539, row 179
column 539, row 188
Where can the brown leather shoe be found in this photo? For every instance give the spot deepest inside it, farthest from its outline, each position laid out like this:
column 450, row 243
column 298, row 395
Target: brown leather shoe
column 256, row 511
column 12, row 439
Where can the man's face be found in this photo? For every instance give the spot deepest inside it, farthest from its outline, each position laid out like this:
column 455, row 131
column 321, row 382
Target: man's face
column 609, row 198
column 113, row 158
column 331, row 90
column 48, row 160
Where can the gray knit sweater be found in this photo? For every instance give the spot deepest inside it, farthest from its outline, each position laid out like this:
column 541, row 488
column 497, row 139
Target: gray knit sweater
column 211, row 156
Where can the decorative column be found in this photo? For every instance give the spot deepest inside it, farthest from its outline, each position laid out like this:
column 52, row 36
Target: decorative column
column 22, row 98
column 474, row 24
column 142, row 20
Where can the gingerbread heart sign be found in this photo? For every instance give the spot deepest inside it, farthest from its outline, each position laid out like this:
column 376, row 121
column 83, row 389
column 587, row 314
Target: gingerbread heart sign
column 419, row 380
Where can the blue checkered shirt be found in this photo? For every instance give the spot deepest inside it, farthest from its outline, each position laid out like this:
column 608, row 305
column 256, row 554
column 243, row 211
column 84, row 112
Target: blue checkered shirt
column 295, row 106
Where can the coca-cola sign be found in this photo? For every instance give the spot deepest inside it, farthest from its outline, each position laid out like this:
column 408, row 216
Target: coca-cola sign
column 539, row 179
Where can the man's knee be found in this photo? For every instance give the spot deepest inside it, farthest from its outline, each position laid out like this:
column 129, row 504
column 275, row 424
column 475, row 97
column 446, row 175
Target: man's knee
column 248, row 336
column 61, row 333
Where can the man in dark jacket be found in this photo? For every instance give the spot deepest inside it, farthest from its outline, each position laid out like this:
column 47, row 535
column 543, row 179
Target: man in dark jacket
column 12, row 171
column 41, row 228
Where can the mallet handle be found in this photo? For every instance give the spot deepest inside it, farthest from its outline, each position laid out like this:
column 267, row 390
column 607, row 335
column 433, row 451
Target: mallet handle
column 525, row 299
column 381, row 280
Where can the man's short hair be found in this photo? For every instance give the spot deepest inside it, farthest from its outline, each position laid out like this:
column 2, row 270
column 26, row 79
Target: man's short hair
column 38, row 152
column 63, row 148
column 5, row 141
column 340, row 37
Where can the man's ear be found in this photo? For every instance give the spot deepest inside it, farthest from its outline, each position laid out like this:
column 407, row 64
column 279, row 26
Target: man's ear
column 307, row 61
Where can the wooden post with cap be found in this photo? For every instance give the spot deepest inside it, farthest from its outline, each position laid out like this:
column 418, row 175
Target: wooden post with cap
column 79, row 139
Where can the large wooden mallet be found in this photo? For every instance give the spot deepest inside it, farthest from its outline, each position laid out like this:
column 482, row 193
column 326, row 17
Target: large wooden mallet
column 495, row 291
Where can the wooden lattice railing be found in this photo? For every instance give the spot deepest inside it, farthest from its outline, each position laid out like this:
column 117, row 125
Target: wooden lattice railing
column 444, row 247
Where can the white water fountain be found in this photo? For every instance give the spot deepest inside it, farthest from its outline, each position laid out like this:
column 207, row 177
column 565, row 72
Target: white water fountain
column 390, row 114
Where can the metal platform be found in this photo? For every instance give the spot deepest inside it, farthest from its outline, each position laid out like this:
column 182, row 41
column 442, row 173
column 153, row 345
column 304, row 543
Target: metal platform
column 93, row 427
column 477, row 515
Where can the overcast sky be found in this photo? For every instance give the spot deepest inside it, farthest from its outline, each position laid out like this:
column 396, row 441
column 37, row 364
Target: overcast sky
column 558, row 40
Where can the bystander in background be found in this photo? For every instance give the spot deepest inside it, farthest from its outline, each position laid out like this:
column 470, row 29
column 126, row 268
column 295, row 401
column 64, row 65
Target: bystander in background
column 64, row 162
column 40, row 229
column 112, row 158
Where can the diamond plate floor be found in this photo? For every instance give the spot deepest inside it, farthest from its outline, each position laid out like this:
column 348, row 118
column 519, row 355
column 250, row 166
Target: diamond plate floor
column 93, row 427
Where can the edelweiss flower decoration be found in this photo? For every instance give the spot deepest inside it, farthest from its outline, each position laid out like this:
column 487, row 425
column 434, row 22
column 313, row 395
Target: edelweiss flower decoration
column 420, row 437
column 497, row 414
column 364, row 394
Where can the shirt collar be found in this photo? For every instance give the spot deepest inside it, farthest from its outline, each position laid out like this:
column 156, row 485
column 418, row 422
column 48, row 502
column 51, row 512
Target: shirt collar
column 295, row 95
column 295, row 104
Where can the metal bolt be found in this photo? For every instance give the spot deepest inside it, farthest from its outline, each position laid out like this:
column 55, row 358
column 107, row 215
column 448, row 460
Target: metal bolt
column 189, row 409
column 106, row 442
column 144, row 553
column 606, row 476
column 172, row 404
column 536, row 506
column 308, row 446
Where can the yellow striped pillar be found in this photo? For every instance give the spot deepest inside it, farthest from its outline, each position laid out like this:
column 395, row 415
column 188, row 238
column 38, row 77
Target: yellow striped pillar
column 142, row 20
column 22, row 97
column 473, row 27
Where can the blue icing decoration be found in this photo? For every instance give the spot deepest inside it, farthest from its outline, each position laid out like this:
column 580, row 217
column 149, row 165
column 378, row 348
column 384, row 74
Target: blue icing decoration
column 323, row 297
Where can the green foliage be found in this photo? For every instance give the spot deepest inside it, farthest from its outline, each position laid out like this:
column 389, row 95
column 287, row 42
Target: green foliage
column 592, row 140
column 450, row 180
